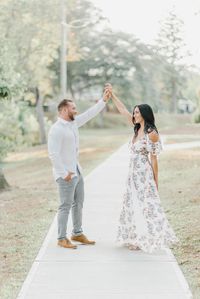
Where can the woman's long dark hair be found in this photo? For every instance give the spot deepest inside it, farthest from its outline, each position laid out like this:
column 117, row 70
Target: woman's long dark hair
column 149, row 119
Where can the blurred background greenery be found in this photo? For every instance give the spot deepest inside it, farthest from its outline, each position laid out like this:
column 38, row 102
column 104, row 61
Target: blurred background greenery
column 30, row 67
column 30, row 76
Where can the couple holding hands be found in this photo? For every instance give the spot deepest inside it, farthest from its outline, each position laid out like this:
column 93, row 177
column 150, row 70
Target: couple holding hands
column 143, row 224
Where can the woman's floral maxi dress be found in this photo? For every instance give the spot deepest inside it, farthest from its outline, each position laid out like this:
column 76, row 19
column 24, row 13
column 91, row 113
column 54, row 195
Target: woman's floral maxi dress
column 143, row 222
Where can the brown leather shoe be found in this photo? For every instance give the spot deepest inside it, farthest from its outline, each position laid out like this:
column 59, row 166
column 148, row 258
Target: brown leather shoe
column 66, row 244
column 82, row 239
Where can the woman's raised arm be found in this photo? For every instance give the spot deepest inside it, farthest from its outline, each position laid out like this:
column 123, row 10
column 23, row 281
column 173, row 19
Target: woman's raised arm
column 122, row 108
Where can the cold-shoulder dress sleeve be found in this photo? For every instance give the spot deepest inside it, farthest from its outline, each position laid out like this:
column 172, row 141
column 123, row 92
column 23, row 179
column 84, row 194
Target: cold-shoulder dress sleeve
column 154, row 148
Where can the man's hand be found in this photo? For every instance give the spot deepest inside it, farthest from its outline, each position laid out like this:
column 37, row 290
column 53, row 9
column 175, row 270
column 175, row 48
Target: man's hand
column 106, row 95
column 68, row 178
column 108, row 86
column 108, row 89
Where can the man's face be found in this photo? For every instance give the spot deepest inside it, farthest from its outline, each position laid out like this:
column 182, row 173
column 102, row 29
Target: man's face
column 70, row 110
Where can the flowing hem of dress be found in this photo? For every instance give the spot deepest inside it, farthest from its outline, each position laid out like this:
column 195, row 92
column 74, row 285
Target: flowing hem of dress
column 159, row 246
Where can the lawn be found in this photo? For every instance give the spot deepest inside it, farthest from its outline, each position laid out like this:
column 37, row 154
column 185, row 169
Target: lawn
column 180, row 194
column 28, row 209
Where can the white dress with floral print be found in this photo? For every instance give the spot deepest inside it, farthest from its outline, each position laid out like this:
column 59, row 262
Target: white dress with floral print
column 143, row 222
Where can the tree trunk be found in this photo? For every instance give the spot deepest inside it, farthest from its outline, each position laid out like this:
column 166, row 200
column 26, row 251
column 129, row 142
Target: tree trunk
column 174, row 89
column 3, row 183
column 40, row 116
column 69, row 82
column 174, row 97
column 71, row 91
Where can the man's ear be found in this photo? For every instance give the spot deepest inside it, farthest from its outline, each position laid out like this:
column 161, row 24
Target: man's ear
column 66, row 110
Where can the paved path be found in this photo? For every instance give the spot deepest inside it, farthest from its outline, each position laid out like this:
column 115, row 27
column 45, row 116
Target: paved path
column 182, row 145
column 103, row 271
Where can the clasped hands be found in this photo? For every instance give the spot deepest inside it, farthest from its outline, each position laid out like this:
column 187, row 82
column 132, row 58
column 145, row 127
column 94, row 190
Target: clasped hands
column 108, row 92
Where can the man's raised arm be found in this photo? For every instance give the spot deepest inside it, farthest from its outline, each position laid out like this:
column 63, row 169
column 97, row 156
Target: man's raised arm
column 84, row 117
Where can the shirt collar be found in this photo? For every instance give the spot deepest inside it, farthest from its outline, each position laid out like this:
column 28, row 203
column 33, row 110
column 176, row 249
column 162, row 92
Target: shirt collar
column 65, row 122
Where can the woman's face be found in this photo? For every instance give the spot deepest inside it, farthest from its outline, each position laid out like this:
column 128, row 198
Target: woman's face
column 137, row 116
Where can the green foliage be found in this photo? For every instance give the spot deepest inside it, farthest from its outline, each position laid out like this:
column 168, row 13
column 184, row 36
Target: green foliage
column 196, row 116
column 11, row 83
column 18, row 127
column 30, row 39
column 4, row 92
column 29, row 42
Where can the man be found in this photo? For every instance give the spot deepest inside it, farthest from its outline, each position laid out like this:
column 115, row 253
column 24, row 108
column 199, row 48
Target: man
column 63, row 148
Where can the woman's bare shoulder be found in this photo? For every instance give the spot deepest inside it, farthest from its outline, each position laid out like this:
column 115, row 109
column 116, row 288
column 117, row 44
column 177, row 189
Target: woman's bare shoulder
column 153, row 136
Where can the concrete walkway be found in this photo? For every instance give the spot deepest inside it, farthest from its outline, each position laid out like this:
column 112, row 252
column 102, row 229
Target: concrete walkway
column 106, row 270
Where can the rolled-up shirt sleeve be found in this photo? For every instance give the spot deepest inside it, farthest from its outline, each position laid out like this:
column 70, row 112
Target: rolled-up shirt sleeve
column 54, row 148
column 84, row 117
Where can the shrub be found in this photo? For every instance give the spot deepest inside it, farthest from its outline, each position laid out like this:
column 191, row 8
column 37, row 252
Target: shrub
column 18, row 126
column 196, row 116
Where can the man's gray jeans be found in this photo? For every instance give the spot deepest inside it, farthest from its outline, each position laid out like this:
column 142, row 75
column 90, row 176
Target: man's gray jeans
column 71, row 198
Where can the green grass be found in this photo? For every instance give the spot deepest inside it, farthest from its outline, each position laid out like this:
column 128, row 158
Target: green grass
column 180, row 195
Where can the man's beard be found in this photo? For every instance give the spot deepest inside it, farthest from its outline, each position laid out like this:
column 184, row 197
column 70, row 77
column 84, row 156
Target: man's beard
column 71, row 116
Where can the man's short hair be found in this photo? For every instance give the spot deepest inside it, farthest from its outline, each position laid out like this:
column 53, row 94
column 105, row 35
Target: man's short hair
column 64, row 103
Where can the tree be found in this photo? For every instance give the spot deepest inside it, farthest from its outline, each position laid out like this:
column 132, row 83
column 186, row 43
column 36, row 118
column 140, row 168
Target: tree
column 32, row 29
column 115, row 57
column 171, row 46
column 9, row 85
column 96, row 55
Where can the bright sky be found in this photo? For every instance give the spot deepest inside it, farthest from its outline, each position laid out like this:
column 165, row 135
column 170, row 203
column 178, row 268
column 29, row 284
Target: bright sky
column 141, row 17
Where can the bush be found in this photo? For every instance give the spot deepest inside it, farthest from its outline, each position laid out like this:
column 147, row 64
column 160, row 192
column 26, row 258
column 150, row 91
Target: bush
column 196, row 116
column 18, row 127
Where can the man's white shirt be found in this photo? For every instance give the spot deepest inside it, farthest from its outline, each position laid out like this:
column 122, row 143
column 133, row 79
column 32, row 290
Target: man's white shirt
column 63, row 142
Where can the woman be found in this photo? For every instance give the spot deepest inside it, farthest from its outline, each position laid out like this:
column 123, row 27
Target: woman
column 143, row 223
